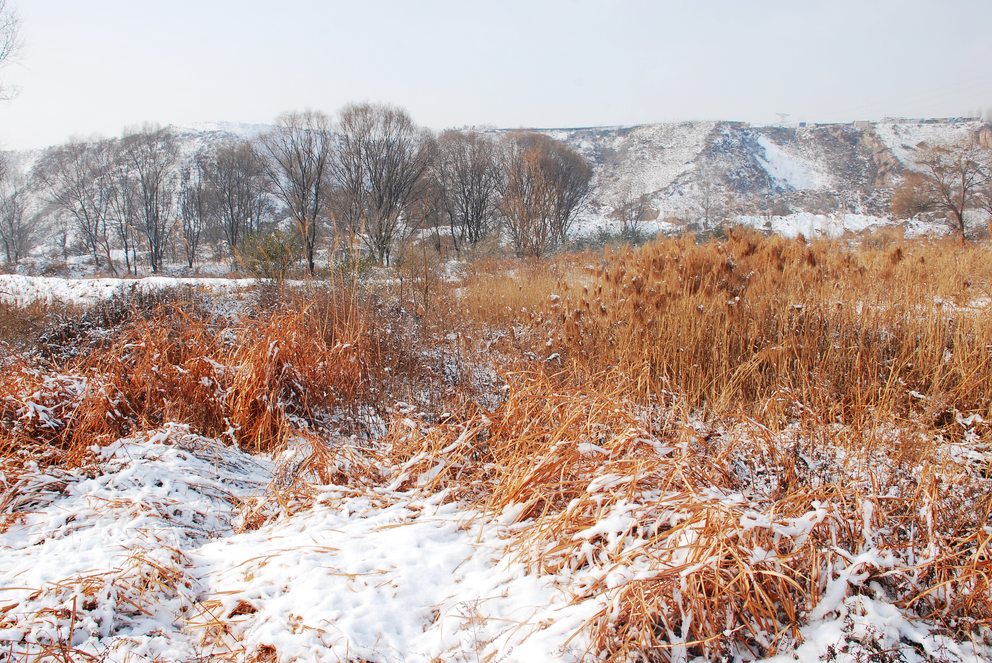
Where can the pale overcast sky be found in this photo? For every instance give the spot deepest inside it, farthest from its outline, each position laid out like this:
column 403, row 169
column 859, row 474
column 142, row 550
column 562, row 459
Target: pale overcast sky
column 95, row 66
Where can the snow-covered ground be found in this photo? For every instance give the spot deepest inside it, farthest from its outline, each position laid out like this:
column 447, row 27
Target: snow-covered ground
column 636, row 160
column 835, row 225
column 178, row 547
column 22, row 290
column 790, row 171
column 158, row 556
column 904, row 139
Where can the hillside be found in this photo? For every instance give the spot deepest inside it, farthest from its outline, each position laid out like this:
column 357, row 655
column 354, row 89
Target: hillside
column 822, row 179
column 771, row 171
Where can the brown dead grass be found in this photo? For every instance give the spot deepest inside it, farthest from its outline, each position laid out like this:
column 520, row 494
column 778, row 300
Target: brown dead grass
column 740, row 420
column 695, row 502
column 738, row 392
column 309, row 361
column 756, row 325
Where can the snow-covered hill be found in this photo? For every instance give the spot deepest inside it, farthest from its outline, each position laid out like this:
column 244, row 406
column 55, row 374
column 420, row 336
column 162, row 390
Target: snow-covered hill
column 703, row 174
column 831, row 169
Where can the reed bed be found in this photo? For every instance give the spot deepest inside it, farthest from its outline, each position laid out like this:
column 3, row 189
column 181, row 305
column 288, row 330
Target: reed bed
column 718, row 442
column 712, row 538
column 756, row 325
column 303, row 365
column 736, row 437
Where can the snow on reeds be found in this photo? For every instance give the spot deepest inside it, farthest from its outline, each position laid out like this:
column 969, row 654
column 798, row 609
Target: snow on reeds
column 740, row 449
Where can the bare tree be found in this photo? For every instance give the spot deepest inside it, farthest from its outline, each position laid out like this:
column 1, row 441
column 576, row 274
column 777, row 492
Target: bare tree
column 298, row 151
column 195, row 209
column 466, row 174
column 237, row 186
column 569, row 179
column 632, row 211
column 983, row 194
column 522, row 202
column 952, row 179
column 10, row 42
column 75, row 176
column 124, row 210
column 150, row 155
column 425, row 216
column 543, row 185
column 711, row 197
column 18, row 232
column 379, row 167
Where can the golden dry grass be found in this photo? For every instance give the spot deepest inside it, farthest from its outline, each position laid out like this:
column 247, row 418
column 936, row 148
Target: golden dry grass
column 745, row 422
column 756, row 325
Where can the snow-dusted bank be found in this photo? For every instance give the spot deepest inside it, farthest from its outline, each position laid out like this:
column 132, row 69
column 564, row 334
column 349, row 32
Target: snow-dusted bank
column 169, row 553
column 815, row 226
column 23, row 290
column 176, row 549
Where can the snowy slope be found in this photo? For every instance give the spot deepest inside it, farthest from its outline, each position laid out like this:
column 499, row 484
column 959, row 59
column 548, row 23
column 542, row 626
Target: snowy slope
column 643, row 159
column 904, row 138
column 788, row 170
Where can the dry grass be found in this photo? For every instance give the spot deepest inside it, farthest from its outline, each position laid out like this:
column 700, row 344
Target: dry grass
column 710, row 437
column 716, row 399
column 305, row 365
column 757, row 325
column 735, row 533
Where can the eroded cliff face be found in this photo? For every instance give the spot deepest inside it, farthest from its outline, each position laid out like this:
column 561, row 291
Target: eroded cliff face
column 821, row 169
column 887, row 168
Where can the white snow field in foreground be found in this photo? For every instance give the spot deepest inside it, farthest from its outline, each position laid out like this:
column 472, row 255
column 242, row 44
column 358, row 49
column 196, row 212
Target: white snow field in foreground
column 173, row 548
column 142, row 560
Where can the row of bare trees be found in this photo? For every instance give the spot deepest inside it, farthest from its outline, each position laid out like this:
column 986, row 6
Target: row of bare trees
column 114, row 193
column 364, row 181
column 376, row 175
column 18, row 230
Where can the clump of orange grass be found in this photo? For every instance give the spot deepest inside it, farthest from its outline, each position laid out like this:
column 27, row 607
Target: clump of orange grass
column 257, row 383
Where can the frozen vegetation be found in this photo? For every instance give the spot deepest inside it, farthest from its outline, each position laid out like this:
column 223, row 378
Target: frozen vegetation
column 508, row 460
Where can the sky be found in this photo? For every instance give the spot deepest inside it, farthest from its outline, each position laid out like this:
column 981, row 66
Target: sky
column 95, row 67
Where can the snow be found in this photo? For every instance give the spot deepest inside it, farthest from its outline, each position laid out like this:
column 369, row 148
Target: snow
column 398, row 578
column 643, row 159
column 836, row 225
column 23, row 290
column 904, row 138
column 113, row 551
column 789, row 171
column 862, row 626
column 239, row 129
column 144, row 559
